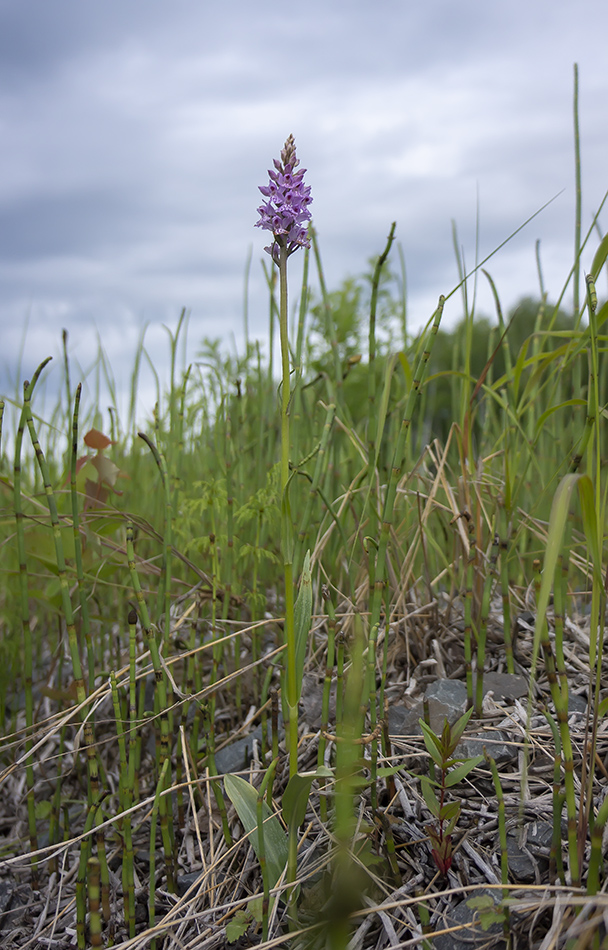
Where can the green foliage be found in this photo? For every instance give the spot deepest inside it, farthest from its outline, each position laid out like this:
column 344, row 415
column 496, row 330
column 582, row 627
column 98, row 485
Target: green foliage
column 441, row 750
column 244, row 798
column 461, row 474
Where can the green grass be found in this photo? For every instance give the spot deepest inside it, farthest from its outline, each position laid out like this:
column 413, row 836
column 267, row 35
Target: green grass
column 456, row 474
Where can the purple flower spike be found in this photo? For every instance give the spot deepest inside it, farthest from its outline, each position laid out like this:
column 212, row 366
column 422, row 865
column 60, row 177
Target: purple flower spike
column 286, row 211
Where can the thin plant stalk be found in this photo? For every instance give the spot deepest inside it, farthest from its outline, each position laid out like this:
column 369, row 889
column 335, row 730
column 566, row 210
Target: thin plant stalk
column 396, row 468
column 505, row 586
column 329, row 667
column 66, row 602
column 555, row 853
column 160, row 701
column 165, row 585
column 320, row 467
column 502, row 833
column 104, row 872
column 126, row 796
column 81, row 878
column 158, row 797
column 93, row 878
column 483, row 624
column 373, row 713
column 470, row 554
column 266, row 784
column 84, row 605
column 25, row 628
column 374, row 437
column 286, row 522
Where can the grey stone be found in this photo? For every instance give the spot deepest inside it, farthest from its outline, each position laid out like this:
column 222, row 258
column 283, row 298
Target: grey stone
column 403, row 721
column 7, row 891
column 534, row 853
column 507, row 686
column 311, row 700
column 447, row 699
column 495, row 743
column 237, row 755
column 14, row 898
column 184, row 882
column 474, row 936
column 577, row 704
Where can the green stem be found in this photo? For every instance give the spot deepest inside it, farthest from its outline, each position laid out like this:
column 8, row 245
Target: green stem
column 286, row 524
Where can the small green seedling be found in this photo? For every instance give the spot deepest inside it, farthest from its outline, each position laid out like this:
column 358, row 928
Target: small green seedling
column 451, row 771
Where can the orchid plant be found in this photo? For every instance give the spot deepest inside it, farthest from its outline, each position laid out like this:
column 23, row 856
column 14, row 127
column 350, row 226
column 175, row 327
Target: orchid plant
column 286, row 214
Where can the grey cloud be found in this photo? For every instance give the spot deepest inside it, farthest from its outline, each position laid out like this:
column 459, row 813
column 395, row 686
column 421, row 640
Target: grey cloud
column 134, row 137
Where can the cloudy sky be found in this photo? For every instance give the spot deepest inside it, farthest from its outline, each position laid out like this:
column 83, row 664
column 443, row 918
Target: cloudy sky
column 134, row 134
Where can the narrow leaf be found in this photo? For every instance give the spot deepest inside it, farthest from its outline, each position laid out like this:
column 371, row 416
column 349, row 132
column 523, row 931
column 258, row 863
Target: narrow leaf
column 459, row 727
column 295, row 798
column 245, row 798
column 432, row 743
column 429, row 796
column 302, row 619
column 600, row 257
column 457, row 774
column 449, row 810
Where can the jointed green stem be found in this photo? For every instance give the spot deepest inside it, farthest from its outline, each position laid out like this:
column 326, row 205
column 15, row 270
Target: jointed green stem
column 25, row 628
column 66, row 602
column 396, row 468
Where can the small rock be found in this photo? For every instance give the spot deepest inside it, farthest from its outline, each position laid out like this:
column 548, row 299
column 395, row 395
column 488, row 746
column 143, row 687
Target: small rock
column 507, row 686
column 14, row 899
column 534, row 853
column 237, row 756
column 577, row 704
column 185, row 881
column 311, row 700
column 495, row 743
column 7, row 891
column 403, row 721
column 472, row 937
column 447, row 699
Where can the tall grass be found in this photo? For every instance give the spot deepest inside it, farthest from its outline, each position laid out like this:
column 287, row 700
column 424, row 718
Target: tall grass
column 258, row 535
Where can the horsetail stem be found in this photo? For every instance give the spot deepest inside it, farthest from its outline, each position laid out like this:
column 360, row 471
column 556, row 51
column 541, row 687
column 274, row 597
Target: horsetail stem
column 483, row 623
column 373, row 713
column 502, row 831
column 66, row 602
column 126, row 800
column 25, row 627
column 469, row 578
column 373, row 436
column 396, row 468
column 560, row 702
column 165, row 580
column 84, row 604
column 160, row 786
column 81, row 879
column 152, row 645
column 93, row 877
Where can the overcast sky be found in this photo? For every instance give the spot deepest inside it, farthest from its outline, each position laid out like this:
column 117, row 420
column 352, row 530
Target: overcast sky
column 134, row 134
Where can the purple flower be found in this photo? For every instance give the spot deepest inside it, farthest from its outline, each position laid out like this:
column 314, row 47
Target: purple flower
column 286, row 211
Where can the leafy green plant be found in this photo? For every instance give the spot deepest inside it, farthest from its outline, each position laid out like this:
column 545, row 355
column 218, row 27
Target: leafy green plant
column 450, row 770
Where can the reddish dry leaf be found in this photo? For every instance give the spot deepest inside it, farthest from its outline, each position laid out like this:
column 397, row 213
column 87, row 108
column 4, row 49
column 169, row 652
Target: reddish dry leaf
column 97, row 440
